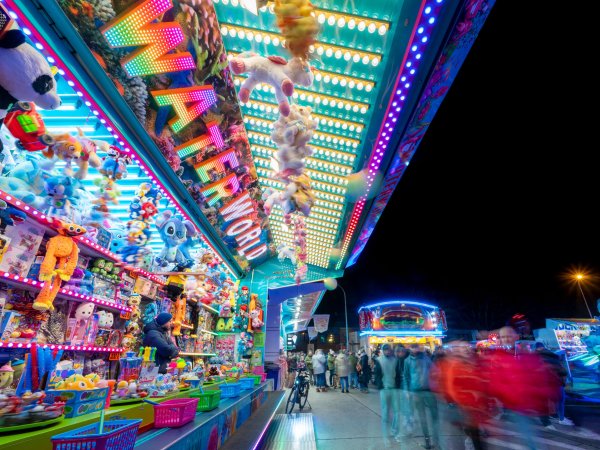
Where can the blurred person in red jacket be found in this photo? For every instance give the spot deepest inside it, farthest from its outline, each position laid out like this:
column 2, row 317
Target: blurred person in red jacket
column 523, row 384
column 457, row 379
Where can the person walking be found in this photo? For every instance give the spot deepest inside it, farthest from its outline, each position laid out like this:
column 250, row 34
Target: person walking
column 364, row 370
column 552, row 361
column 156, row 334
column 416, row 379
column 342, row 369
column 353, row 376
column 319, row 363
column 309, row 367
column 331, row 368
column 292, row 366
column 388, row 379
column 403, row 423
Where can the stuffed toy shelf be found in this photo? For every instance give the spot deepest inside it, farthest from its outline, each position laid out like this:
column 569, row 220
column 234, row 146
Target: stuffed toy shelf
column 66, row 347
column 35, row 285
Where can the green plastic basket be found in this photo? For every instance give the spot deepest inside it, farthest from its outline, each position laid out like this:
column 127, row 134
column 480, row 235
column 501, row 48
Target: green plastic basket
column 207, row 400
column 231, row 380
column 256, row 378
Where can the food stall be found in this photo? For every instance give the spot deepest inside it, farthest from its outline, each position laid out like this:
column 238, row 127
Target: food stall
column 147, row 168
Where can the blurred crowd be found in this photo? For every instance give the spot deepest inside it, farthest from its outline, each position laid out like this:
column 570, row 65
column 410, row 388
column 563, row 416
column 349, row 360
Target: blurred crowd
column 516, row 387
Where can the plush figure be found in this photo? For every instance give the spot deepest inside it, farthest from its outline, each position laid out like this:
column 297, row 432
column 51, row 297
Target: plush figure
column 296, row 129
column 255, row 321
column 274, row 70
column 26, row 181
column 59, row 263
column 114, row 165
column 10, row 216
column 59, row 192
column 107, row 192
column 6, row 375
column 24, row 74
column 298, row 24
column 117, row 240
column 150, row 313
column 174, row 232
column 179, row 314
column 285, row 251
column 83, row 314
column 76, row 149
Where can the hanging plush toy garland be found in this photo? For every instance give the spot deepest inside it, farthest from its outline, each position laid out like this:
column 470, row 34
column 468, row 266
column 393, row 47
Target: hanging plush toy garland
column 295, row 126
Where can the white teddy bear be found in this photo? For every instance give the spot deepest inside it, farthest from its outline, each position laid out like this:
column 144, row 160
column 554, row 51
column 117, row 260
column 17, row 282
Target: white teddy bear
column 274, row 70
column 296, row 129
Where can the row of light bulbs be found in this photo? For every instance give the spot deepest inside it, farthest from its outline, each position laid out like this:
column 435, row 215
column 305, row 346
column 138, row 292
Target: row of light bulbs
column 328, row 50
column 313, row 174
column 320, row 135
column 319, row 194
column 311, row 161
column 342, row 157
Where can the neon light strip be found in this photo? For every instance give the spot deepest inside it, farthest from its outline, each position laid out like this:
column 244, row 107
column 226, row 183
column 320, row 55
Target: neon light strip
column 403, row 333
column 41, row 218
column 136, row 27
column 197, row 354
column 66, row 293
column 76, row 348
column 407, row 74
column 30, row 30
column 209, row 332
column 192, row 147
column 262, row 433
column 397, row 303
column 202, row 97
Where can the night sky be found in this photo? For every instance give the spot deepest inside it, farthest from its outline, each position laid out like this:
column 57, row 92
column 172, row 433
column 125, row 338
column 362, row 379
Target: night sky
column 501, row 198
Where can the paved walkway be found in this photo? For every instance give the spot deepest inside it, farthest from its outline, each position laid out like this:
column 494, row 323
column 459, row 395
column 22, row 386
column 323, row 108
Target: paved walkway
column 353, row 422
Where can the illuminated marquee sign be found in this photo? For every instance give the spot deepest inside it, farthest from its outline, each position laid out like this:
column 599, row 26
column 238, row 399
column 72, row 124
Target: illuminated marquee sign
column 189, row 106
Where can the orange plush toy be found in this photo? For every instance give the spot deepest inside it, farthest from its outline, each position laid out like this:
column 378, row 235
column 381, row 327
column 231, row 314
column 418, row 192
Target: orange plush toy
column 59, row 263
column 179, row 314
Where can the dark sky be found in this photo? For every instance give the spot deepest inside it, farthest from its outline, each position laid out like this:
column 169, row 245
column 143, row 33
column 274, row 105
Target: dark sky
column 501, row 197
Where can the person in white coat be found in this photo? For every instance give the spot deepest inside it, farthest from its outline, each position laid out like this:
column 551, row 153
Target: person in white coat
column 319, row 362
column 342, row 369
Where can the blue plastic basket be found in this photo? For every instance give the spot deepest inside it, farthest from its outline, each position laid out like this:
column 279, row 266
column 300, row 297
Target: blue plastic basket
column 247, row 383
column 117, row 435
column 230, row 390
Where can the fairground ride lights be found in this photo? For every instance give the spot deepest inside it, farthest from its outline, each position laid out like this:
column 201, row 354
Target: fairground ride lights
column 402, row 333
column 135, row 27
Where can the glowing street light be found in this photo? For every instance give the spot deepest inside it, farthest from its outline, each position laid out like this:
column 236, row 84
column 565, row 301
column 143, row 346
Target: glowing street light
column 579, row 277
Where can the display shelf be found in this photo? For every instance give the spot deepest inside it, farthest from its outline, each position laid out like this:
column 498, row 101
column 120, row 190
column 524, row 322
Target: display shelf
column 87, row 247
column 35, row 285
column 209, row 308
column 66, row 347
column 196, row 354
column 146, row 274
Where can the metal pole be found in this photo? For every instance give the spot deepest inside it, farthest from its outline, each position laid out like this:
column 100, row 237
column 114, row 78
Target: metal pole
column 584, row 300
column 346, row 314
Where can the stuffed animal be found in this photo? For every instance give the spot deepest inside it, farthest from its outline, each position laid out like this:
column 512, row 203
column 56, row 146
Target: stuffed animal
column 274, row 70
column 26, row 181
column 285, row 251
column 24, row 74
column 150, row 313
column 179, row 313
column 296, row 129
column 174, row 232
column 59, row 192
column 114, row 165
column 76, row 149
column 59, row 263
column 255, row 320
column 10, row 216
column 298, row 24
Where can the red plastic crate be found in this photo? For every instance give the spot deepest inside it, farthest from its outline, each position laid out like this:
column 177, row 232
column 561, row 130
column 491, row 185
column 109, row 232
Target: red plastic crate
column 175, row 413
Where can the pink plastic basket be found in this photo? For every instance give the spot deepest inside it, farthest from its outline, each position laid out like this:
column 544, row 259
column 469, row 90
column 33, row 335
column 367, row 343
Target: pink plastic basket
column 117, row 435
column 175, row 413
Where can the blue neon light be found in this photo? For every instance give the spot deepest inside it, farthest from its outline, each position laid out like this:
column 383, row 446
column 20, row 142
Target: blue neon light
column 402, row 333
column 397, row 303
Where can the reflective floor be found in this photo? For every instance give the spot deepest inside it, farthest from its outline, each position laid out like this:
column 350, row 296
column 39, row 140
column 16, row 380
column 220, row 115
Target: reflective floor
column 353, row 422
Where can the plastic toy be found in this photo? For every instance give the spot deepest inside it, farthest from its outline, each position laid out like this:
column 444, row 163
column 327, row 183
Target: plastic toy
column 59, row 263
column 24, row 74
column 273, row 70
column 27, row 126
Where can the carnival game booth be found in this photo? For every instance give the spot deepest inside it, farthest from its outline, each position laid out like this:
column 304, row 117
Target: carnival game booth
column 401, row 322
column 132, row 183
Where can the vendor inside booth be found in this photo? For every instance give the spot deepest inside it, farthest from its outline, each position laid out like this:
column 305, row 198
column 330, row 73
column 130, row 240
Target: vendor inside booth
column 401, row 322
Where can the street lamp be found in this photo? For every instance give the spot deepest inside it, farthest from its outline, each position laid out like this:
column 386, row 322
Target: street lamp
column 331, row 284
column 579, row 277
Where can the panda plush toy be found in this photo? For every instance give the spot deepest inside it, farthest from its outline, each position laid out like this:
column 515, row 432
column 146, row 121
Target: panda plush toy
column 24, row 74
